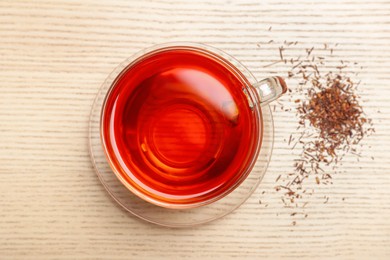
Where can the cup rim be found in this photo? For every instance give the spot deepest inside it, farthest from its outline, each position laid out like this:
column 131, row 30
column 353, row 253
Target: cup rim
column 228, row 60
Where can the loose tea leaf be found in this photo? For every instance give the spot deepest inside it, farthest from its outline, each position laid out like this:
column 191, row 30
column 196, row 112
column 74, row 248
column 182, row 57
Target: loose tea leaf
column 331, row 121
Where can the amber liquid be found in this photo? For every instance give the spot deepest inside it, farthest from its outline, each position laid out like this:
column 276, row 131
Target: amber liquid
column 178, row 128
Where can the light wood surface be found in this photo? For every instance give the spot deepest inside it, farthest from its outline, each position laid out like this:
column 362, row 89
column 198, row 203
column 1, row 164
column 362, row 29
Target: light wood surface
column 54, row 55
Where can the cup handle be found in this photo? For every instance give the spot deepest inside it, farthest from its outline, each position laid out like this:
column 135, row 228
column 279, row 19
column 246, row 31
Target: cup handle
column 270, row 89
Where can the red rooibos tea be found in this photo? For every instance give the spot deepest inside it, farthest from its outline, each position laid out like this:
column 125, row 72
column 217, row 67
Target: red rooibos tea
column 178, row 128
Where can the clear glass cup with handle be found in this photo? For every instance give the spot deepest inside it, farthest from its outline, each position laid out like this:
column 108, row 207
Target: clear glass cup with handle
column 184, row 213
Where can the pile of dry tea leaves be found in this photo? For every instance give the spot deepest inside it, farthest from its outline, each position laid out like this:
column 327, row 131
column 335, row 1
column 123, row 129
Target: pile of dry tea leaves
column 331, row 121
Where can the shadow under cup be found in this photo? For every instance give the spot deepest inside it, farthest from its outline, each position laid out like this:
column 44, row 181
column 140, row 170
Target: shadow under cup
column 179, row 128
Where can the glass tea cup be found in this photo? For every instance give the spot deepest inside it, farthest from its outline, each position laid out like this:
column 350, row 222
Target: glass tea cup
column 181, row 125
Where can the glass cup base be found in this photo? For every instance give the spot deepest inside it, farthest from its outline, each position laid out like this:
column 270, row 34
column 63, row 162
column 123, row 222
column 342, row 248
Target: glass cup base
column 166, row 216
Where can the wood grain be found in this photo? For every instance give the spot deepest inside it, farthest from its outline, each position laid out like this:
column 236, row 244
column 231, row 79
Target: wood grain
column 54, row 55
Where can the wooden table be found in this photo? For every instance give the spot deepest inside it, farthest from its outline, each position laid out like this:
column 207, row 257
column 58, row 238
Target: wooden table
column 56, row 54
